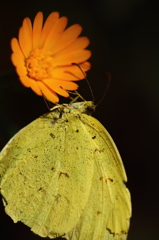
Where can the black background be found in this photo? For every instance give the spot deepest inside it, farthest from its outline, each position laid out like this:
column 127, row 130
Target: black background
column 124, row 42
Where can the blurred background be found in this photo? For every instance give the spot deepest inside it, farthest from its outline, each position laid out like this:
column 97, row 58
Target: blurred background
column 124, row 42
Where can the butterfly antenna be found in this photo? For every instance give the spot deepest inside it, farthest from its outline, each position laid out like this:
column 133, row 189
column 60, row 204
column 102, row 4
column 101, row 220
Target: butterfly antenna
column 48, row 103
column 107, row 86
column 85, row 79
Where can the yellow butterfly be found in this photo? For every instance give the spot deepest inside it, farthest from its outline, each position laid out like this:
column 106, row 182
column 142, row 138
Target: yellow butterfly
column 62, row 175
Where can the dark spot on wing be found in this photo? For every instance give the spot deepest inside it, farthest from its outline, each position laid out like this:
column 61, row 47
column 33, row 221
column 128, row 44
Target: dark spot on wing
column 99, row 150
column 77, row 130
column 104, row 179
column 35, row 156
column 117, row 234
column 52, row 135
column 99, row 212
column 110, row 179
column 93, row 137
column 65, row 174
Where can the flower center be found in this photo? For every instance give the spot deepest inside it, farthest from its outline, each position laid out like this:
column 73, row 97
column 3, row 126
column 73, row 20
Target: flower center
column 39, row 64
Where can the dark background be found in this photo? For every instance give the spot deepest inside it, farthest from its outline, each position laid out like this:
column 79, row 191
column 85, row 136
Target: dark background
column 125, row 42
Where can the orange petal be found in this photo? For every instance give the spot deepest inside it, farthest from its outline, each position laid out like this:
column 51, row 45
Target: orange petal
column 25, row 81
column 85, row 66
column 55, row 33
column 50, row 21
column 21, row 70
column 68, row 85
column 71, row 72
column 35, row 87
column 28, row 29
column 72, row 57
column 28, row 26
column 48, row 93
column 68, row 74
column 37, row 28
column 79, row 43
column 17, row 60
column 16, row 48
column 54, row 83
column 23, row 41
column 67, row 37
column 61, row 91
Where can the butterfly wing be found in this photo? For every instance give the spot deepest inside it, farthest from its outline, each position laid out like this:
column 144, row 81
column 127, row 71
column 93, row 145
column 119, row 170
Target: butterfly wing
column 46, row 174
column 107, row 213
column 63, row 176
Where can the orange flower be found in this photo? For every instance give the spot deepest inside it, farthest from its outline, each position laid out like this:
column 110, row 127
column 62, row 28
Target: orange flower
column 43, row 55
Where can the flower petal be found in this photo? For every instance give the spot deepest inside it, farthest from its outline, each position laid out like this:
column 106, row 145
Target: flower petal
column 23, row 41
column 37, row 29
column 50, row 21
column 85, row 66
column 28, row 29
column 61, row 91
column 35, row 87
column 79, row 43
column 71, row 72
column 55, row 33
column 68, row 85
column 54, row 83
column 48, row 93
column 21, row 70
column 25, row 81
column 72, row 57
column 16, row 48
column 67, row 37
column 16, row 59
